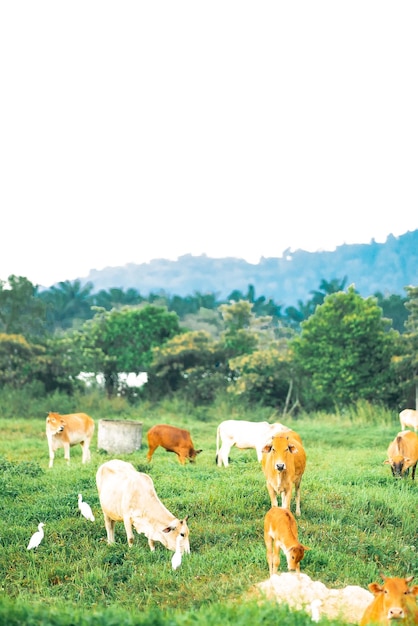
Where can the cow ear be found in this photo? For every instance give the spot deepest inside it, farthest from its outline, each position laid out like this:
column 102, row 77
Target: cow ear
column 169, row 528
column 306, row 547
column 387, row 462
column 292, row 449
column 266, row 448
column 199, row 451
column 375, row 588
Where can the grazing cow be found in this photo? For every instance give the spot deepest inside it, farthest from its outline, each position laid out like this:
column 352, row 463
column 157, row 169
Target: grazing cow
column 393, row 600
column 283, row 463
column 129, row 496
column 173, row 440
column 281, row 531
column 409, row 418
column 403, row 454
column 243, row 434
column 63, row 431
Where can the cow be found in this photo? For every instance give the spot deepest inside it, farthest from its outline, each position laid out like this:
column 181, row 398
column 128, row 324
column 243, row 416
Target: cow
column 243, row 434
column 409, row 417
column 281, row 532
column 283, row 463
column 63, row 431
column 403, row 454
column 394, row 600
column 173, row 440
column 129, row 496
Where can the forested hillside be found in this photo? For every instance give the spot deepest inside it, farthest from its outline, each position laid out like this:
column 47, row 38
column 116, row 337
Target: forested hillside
column 375, row 267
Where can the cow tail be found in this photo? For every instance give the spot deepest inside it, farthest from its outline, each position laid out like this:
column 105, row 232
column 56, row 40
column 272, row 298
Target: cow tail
column 217, row 443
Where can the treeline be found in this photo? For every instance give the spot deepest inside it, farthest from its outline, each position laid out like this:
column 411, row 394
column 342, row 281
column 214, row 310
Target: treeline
column 333, row 350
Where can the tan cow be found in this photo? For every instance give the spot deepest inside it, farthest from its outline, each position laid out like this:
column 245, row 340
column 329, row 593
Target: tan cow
column 281, row 532
column 173, row 440
column 403, row 454
column 63, row 431
column 393, row 601
column 129, row 496
column 409, row 418
column 283, row 463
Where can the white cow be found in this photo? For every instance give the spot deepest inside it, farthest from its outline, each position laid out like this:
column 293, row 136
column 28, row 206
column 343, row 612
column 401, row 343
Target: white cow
column 409, row 417
column 243, row 434
column 129, row 496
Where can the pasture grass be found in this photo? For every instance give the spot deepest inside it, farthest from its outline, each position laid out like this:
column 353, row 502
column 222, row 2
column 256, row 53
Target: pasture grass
column 356, row 518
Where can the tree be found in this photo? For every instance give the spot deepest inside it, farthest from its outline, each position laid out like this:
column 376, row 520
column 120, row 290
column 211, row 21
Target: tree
column 393, row 307
column 188, row 363
column 68, row 304
column 263, row 377
column 122, row 340
column 21, row 311
column 407, row 363
column 344, row 352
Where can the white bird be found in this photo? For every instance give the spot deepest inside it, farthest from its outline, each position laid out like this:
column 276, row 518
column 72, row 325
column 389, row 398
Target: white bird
column 85, row 509
column 37, row 537
column 176, row 560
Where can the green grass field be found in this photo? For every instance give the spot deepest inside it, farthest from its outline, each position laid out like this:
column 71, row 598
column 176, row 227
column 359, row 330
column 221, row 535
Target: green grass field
column 356, row 518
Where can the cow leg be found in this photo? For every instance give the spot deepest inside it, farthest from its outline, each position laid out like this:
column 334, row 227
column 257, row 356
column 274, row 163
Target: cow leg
column 223, row 454
column 129, row 532
column 86, row 451
column 269, row 551
column 67, row 452
column 273, row 495
column 151, row 451
column 414, row 467
column 286, row 498
column 51, row 454
column 110, row 528
column 276, row 556
column 181, row 458
column 151, row 544
column 297, row 489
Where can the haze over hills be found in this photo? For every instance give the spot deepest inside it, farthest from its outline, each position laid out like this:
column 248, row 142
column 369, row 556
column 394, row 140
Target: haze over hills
column 375, row 267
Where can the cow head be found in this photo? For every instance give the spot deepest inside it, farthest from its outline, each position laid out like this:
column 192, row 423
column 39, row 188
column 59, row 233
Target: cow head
column 280, row 447
column 397, row 598
column 55, row 423
column 399, row 465
column 177, row 536
column 193, row 454
column 294, row 555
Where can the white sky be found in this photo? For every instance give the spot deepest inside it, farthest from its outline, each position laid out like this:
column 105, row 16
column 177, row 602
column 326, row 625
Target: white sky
column 136, row 130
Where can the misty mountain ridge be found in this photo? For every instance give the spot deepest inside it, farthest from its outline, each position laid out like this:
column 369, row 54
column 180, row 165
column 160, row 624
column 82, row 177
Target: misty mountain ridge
column 375, row 267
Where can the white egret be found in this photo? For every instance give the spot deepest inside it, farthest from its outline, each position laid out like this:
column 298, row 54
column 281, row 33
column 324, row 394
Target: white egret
column 37, row 537
column 85, row 509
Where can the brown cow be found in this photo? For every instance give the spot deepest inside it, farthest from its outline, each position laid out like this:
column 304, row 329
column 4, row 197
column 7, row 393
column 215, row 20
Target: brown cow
column 173, row 440
column 403, row 454
column 63, row 431
column 283, row 463
column 129, row 496
column 281, row 531
column 393, row 600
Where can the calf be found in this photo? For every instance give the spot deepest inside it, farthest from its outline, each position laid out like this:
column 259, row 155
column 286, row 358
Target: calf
column 283, row 463
column 63, row 431
column 403, row 454
column 173, row 440
column 280, row 531
column 409, row 417
column 129, row 496
column 393, row 600
column 243, row 435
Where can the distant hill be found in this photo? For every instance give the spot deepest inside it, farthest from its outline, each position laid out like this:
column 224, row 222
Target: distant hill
column 385, row 267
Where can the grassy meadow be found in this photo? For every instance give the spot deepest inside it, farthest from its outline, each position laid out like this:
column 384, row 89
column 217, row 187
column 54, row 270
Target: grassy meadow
column 356, row 518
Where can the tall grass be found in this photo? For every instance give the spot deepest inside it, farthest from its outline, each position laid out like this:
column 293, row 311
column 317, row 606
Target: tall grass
column 357, row 520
